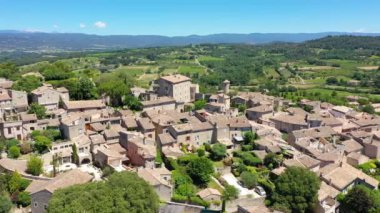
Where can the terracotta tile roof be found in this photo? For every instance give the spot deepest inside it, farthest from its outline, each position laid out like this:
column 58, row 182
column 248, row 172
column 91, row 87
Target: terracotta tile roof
column 160, row 101
column 146, row 124
column 97, row 139
column 326, row 191
column 239, row 122
column 207, row 192
column 84, row 104
column 166, row 138
column 341, row 176
column 28, row 117
column 177, row 78
column 63, row 180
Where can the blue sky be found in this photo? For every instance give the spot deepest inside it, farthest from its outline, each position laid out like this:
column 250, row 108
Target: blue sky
column 186, row 17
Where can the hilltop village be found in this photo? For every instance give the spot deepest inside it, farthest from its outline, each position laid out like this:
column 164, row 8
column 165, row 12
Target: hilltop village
column 249, row 138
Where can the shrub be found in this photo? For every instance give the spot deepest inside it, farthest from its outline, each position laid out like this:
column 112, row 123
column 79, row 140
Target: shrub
column 179, row 198
column 23, row 199
column 218, row 151
column 34, row 165
column 248, row 158
column 12, row 142
column 26, row 148
column 5, row 203
column 199, row 201
column 14, row 152
column 201, row 152
column 42, row 143
column 248, row 179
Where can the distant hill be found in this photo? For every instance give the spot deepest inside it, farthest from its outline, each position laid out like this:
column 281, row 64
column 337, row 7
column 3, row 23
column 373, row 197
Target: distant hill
column 347, row 42
column 11, row 40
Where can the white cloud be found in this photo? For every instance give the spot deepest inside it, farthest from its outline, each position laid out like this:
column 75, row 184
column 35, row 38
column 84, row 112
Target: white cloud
column 82, row 25
column 361, row 30
column 55, row 26
column 100, row 24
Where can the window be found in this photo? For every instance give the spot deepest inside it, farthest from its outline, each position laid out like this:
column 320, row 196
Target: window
column 187, row 138
column 9, row 130
column 45, row 206
column 35, row 204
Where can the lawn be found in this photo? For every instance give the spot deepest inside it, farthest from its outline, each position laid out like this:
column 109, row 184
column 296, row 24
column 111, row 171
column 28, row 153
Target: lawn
column 209, row 58
column 191, row 70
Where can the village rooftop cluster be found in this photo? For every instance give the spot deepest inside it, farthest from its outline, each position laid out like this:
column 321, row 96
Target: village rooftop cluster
column 326, row 139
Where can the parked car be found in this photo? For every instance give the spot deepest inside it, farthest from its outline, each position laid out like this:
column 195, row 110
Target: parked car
column 260, row 190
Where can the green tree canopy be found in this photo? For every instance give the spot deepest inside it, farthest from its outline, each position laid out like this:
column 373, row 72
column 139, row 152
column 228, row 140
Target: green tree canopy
column 248, row 179
column 42, row 143
column 199, row 104
column 27, row 83
column 272, row 160
column 14, row 152
column 122, row 192
column 34, row 165
column 296, row 190
column 5, row 204
column 200, row 170
column 361, row 199
column 218, row 151
column 37, row 109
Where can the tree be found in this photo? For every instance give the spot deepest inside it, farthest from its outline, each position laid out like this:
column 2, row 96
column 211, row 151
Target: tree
column 34, row 165
column 272, row 160
column 133, row 103
column 229, row 193
column 361, row 199
column 42, row 143
column 249, row 138
column 125, row 191
column 15, row 182
column 296, row 189
column 37, row 109
column 86, row 89
column 27, row 83
column 75, row 157
column 200, row 170
column 23, row 199
column 199, row 104
column 14, row 152
column 368, row 109
column 218, row 151
column 248, row 179
column 332, row 80
column 5, row 204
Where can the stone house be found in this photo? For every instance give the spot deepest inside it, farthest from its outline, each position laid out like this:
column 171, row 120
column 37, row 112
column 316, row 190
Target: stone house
column 146, row 127
column 88, row 106
column 29, row 123
column 11, row 128
column 344, row 176
column 72, row 126
column 112, row 156
column 210, row 194
column 160, row 179
column 256, row 113
column 175, row 86
column 162, row 103
column 221, row 129
column 49, row 97
column 42, row 190
column 238, row 126
column 327, row 202
column 83, row 144
column 288, row 123
column 63, row 150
